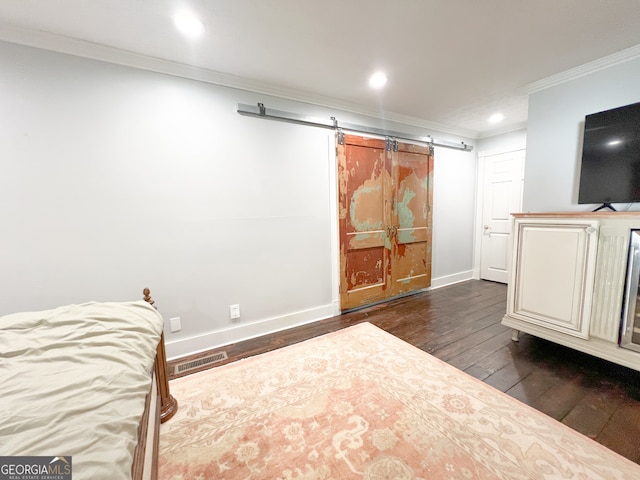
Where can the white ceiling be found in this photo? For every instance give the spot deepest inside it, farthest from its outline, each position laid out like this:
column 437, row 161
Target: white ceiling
column 450, row 63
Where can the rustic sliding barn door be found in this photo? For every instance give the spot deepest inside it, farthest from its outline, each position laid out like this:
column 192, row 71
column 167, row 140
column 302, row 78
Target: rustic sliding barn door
column 411, row 218
column 385, row 197
column 364, row 202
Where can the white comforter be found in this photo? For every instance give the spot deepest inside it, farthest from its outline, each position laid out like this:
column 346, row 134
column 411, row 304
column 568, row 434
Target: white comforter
column 73, row 382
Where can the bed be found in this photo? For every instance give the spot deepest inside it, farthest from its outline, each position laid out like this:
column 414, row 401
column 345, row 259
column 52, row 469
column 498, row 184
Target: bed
column 88, row 382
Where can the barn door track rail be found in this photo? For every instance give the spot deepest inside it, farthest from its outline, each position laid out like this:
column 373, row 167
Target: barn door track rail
column 261, row 111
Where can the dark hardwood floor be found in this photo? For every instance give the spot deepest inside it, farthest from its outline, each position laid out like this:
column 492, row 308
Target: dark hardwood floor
column 460, row 324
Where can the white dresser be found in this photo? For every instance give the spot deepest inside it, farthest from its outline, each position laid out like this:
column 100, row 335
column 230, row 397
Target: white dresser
column 567, row 280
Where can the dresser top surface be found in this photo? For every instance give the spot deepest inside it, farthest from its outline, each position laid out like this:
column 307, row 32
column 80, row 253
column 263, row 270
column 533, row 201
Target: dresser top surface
column 592, row 215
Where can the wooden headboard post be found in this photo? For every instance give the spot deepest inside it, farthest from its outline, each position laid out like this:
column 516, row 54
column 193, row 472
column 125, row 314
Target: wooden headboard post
column 168, row 404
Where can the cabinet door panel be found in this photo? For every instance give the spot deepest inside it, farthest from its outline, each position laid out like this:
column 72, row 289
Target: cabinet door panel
column 555, row 267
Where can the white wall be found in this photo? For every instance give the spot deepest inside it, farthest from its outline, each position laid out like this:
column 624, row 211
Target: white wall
column 113, row 179
column 506, row 142
column 453, row 216
column 556, row 122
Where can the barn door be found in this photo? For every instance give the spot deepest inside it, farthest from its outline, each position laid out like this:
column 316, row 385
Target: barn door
column 411, row 218
column 384, row 191
column 364, row 192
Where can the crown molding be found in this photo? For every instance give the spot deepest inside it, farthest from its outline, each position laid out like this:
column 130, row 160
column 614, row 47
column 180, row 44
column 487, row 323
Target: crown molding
column 94, row 51
column 502, row 131
column 582, row 70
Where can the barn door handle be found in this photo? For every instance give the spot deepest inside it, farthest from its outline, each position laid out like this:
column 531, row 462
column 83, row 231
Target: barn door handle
column 391, row 230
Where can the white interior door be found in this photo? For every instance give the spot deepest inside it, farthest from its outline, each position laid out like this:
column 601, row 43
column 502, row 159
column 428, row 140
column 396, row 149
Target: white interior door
column 502, row 195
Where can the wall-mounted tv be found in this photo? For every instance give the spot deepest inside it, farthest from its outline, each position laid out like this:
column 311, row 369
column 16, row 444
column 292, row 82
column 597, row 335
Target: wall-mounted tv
column 610, row 171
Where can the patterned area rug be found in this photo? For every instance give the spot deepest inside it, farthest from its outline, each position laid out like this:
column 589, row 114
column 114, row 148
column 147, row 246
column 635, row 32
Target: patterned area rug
column 360, row 403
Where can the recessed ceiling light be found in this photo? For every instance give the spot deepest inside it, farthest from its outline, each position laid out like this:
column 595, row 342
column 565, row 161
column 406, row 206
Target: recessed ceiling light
column 496, row 118
column 377, row 80
column 189, row 24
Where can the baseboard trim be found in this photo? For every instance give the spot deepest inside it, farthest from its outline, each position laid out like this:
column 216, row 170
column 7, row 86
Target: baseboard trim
column 238, row 333
column 451, row 279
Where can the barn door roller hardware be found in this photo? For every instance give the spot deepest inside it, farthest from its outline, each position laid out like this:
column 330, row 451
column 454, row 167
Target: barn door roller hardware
column 391, row 144
column 269, row 113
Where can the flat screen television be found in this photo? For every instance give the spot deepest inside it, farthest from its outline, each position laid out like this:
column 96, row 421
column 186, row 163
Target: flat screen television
column 610, row 171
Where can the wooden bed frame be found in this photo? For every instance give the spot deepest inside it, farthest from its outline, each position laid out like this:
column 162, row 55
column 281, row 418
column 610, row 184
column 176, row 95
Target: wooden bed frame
column 160, row 406
column 168, row 404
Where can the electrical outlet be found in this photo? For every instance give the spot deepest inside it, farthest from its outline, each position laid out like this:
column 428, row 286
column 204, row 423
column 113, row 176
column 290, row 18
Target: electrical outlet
column 234, row 311
column 176, row 326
